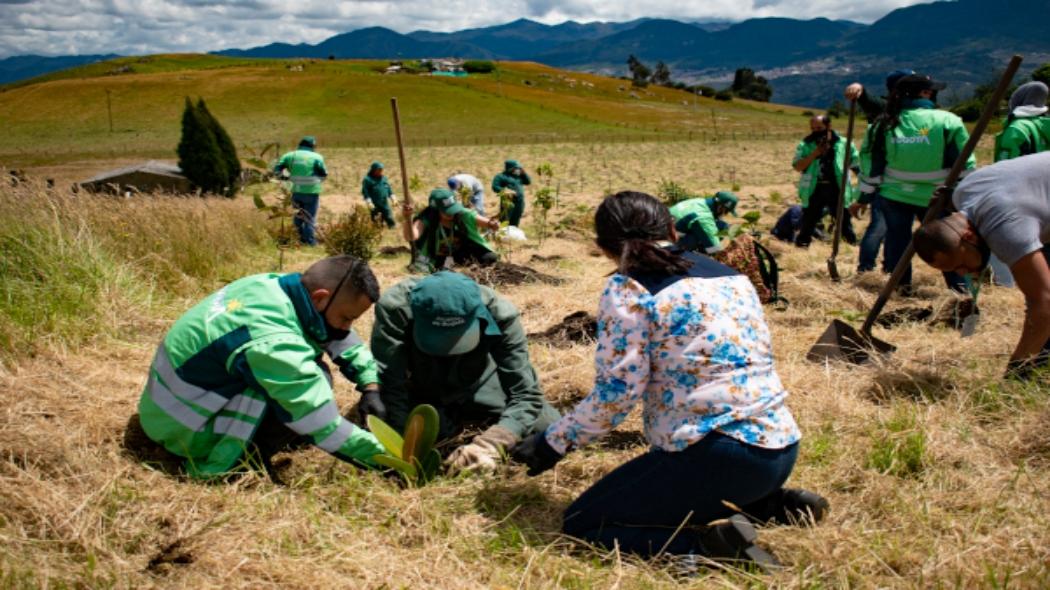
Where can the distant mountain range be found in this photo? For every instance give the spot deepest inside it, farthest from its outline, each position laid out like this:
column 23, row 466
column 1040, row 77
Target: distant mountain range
column 808, row 62
column 21, row 67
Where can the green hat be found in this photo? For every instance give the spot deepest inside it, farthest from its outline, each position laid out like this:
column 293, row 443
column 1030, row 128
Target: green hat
column 446, row 314
column 445, row 201
column 377, row 165
column 510, row 165
column 309, row 141
column 728, row 200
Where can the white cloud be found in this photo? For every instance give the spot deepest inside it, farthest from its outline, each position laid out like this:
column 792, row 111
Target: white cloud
column 60, row 27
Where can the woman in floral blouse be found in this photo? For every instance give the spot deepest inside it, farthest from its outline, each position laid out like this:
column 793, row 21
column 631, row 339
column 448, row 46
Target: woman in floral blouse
column 685, row 336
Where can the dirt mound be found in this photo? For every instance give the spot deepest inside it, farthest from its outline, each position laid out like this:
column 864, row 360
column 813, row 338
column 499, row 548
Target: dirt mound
column 507, row 273
column 578, row 327
column 950, row 313
column 542, row 258
column 394, row 250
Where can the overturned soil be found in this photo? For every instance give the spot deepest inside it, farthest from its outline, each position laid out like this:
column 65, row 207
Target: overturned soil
column 951, row 314
column 394, row 250
column 507, row 273
column 578, row 327
column 542, row 258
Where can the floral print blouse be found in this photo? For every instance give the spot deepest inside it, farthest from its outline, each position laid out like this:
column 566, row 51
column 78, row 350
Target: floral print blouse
column 696, row 352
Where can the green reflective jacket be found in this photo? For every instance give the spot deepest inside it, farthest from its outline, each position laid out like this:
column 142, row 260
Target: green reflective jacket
column 695, row 215
column 807, row 183
column 411, row 377
column 307, row 170
column 251, row 348
column 438, row 240
column 918, row 153
column 1023, row 136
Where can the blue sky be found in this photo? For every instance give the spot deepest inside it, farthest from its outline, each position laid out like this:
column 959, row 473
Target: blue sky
column 65, row 27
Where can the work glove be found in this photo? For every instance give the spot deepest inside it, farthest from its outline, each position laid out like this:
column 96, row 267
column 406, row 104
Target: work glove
column 371, row 404
column 483, row 453
column 536, row 453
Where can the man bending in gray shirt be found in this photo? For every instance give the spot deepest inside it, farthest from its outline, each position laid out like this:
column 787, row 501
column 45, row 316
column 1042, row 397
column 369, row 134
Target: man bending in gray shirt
column 1002, row 209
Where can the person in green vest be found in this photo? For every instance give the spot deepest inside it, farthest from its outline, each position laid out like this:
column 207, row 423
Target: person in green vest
column 308, row 172
column 906, row 155
column 376, row 190
column 513, row 178
column 444, row 340
column 1026, row 130
column 244, row 368
column 446, row 229
column 821, row 157
column 699, row 220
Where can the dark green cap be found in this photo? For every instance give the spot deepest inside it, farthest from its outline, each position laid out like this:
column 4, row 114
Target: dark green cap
column 510, row 165
column 377, row 165
column 445, row 201
column 728, row 200
column 309, row 141
column 446, row 314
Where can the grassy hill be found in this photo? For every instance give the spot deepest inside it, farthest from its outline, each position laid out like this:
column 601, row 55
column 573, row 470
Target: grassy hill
column 63, row 116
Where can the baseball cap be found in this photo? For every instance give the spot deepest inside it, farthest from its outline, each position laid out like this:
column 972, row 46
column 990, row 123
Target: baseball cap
column 447, row 312
column 377, row 165
column 453, row 183
column 915, row 83
column 445, row 201
column 728, row 200
column 895, row 76
column 308, row 141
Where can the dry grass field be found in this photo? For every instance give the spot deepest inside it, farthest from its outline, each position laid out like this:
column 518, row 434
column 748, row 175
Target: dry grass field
column 936, row 471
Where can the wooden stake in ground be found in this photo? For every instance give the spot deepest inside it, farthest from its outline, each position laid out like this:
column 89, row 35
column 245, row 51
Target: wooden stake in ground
column 404, row 178
column 833, row 268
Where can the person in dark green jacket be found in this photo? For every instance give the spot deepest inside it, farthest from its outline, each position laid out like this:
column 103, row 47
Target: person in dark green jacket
column 244, row 368
column 445, row 228
column 444, row 340
column 513, row 178
column 376, row 190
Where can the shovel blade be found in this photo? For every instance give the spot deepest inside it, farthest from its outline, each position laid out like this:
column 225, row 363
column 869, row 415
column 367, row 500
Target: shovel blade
column 833, row 270
column 841, row 342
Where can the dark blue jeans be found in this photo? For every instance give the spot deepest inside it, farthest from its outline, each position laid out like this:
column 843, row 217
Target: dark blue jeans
column 305, row 216
column 899, row 219
column 872, row 240
column 640, row 504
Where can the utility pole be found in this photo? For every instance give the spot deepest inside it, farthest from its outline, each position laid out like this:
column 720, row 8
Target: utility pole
column 109, row 109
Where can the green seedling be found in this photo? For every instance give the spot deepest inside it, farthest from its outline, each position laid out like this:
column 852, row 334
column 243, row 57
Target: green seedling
column 413, row 454
column 751, row 221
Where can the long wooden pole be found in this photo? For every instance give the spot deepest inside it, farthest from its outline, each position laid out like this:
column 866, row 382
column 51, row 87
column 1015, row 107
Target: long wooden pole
column 839, row 209
column 404, row 178
column 943, row 197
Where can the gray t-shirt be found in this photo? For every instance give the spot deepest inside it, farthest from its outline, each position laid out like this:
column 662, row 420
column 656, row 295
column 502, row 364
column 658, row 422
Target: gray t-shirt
column 1009, row 204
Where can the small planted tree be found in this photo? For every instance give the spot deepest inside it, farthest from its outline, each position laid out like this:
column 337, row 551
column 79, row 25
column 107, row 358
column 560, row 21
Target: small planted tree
column 354, row 233
column 544, row 199
column 672, row 193
column 412, row 454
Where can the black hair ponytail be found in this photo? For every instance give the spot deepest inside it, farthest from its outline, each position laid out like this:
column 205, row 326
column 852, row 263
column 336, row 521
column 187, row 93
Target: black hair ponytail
column 629, row 225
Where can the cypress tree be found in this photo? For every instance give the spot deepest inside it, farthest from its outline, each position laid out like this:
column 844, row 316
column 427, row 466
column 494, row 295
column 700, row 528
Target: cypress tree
column 226, row 148
column 199, row 155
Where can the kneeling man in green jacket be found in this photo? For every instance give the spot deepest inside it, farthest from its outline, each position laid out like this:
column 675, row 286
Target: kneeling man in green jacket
column 446, row 341
column 252, row 353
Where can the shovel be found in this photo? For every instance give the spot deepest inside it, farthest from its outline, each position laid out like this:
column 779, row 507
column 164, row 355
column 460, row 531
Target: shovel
column 833, row 268
column 840, row 341
column 404, row 178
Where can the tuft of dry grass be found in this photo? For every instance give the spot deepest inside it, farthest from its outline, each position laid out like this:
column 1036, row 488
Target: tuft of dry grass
column 935, row 469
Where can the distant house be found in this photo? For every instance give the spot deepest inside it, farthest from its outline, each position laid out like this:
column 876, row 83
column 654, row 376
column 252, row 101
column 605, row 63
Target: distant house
column 147, row 177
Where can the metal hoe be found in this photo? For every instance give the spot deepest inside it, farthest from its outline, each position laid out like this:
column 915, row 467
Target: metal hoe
column 840, row 341
column 833, row 268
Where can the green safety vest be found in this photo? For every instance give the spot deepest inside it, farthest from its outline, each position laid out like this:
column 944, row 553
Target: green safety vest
column 807, row 183
column 704, row 219
column 1023, row 136
column 250, row 348
column 307, row 170
column 919, row 153
column 438, row 240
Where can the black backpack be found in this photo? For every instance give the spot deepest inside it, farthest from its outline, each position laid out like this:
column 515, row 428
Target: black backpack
column 767, row 267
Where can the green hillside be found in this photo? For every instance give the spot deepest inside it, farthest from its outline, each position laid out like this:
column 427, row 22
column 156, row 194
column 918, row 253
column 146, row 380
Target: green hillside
column 63, row 116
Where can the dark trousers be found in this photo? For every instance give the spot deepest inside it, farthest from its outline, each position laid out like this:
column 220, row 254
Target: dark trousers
column 468, row 252
column 383, row 212
column 516, row 210
column 899, row 219
column 306, row 216
column 872, row 240
column 641, row 503
column 825, row 196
